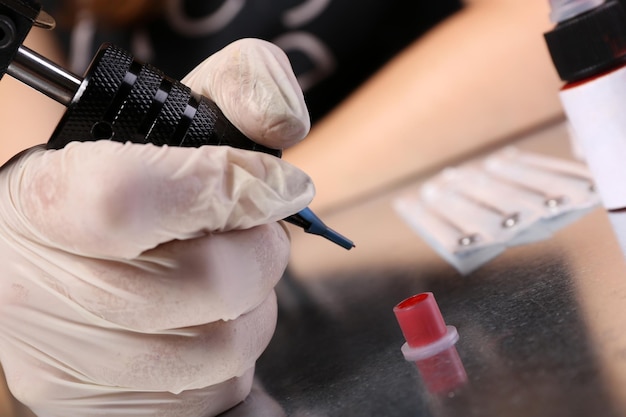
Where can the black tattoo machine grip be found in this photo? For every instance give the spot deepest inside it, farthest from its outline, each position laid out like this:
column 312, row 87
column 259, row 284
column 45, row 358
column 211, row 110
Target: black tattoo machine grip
column 121, row 99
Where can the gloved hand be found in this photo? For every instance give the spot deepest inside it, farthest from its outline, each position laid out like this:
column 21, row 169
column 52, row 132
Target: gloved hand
column 137, row 280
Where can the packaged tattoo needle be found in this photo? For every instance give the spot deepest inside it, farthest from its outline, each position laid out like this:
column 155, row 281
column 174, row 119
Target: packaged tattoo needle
column 559, row 190
column 472, row 213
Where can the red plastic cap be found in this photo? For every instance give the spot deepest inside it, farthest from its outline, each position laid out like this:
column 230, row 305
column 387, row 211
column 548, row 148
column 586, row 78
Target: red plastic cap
column 430, row 343
column 420, row 319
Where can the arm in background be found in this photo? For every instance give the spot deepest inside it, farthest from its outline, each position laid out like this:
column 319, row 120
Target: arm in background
column 482, row 75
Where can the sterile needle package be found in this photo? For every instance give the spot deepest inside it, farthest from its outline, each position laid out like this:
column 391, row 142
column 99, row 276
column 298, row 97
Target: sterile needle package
column 471, row 213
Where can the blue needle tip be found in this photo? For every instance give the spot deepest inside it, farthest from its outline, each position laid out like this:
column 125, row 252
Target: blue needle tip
column 307, row 220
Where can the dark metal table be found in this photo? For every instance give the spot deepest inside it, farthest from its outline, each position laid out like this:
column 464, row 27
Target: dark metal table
column 542, row 327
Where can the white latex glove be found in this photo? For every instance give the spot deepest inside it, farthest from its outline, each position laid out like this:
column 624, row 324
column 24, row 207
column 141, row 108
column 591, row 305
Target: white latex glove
column 138, row 280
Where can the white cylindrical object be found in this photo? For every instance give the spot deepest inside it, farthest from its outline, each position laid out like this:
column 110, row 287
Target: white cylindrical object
column 596, row 111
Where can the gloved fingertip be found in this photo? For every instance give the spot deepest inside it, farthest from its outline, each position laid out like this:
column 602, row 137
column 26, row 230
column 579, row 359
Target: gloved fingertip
column 252, row 82
column 288, row 131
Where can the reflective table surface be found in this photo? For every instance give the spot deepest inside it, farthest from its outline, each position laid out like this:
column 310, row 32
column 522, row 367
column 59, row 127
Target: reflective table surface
column 542, row 327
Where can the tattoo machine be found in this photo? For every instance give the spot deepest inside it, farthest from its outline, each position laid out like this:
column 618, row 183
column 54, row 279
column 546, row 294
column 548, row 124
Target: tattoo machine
column 122, row 99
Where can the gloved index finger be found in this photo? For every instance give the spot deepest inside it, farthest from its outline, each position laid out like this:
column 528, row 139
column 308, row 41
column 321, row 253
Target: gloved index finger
column 111, row 199
column 252, row 82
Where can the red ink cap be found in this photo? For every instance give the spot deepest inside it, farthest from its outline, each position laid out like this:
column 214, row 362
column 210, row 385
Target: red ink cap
column 420, row 320
column 430, row 343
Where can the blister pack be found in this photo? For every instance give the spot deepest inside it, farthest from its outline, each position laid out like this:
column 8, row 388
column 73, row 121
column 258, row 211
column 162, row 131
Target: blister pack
column 471, row 213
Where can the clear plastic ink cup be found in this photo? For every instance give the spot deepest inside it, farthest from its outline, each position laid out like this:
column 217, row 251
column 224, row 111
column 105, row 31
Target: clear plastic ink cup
column 430, row 343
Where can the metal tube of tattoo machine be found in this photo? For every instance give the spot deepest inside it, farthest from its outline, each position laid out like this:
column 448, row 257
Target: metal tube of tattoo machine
column 122, row 99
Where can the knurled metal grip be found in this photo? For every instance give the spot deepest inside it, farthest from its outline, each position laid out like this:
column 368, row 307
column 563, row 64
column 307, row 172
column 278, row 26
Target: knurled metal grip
column 123, row 100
